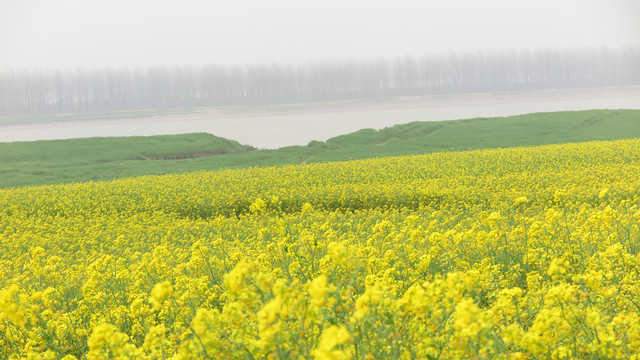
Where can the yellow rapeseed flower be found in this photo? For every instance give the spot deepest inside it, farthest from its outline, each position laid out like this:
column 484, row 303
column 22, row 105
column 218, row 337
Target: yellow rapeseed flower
column 333, row 344
column 159, row 293
column 318, row 290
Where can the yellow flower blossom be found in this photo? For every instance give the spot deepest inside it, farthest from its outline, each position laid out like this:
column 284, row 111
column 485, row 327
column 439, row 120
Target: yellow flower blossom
column 469, row 319
column 234, row 280
column 318, row 290
column 258, row 206
column 267, row 326
column 333, row 344
column 603, row 193
column 159, row 293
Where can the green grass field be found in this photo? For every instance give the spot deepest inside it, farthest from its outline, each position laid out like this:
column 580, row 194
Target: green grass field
column 78, row 160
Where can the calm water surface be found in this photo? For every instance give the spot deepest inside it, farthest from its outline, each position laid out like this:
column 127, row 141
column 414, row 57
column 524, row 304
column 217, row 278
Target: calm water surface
column 299, row 128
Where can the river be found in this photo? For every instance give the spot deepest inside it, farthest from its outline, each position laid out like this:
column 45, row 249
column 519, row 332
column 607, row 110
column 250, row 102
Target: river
column 274, row 126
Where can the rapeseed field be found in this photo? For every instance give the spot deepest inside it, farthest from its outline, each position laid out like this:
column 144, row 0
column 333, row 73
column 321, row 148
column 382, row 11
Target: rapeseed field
column 523, row 253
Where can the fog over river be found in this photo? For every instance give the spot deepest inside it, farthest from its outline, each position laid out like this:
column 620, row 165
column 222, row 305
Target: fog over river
column 275, row 126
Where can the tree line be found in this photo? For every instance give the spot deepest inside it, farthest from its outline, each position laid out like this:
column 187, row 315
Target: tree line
column 40, row 92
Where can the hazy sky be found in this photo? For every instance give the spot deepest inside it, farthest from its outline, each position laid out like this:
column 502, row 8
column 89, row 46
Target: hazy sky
column 37, row 34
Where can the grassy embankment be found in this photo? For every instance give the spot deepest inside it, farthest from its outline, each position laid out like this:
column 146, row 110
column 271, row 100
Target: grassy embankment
column 64, row 161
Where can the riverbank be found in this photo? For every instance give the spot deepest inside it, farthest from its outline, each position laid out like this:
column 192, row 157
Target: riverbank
column 106, row 158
